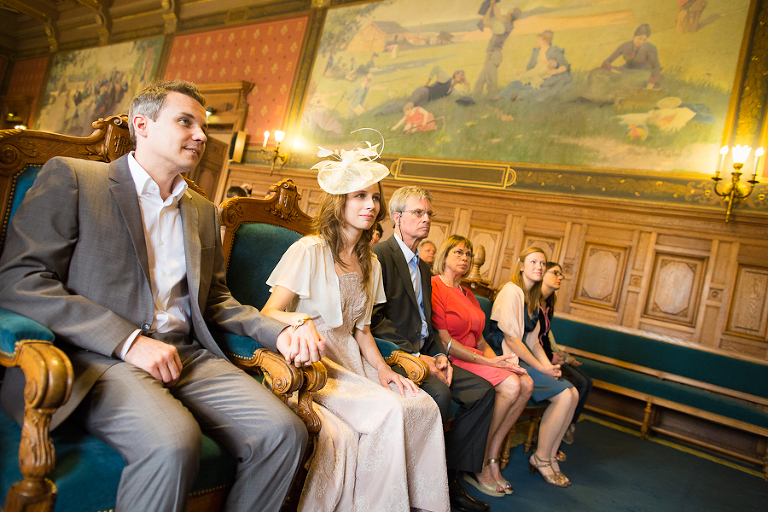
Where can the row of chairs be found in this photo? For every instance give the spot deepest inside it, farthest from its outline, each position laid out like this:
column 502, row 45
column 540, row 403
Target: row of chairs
column 73, row 471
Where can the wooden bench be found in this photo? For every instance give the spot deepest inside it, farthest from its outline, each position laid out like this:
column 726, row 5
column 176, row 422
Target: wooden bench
column 701, row 383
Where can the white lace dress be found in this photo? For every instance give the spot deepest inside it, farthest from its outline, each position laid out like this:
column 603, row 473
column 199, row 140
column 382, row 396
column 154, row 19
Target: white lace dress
column 376, row 450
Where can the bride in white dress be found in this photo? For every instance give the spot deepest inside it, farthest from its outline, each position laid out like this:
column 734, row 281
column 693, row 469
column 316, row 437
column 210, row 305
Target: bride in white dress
column 381, row 443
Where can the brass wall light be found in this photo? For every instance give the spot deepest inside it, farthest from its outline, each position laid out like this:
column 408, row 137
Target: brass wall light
column 736, row 190
column 274, row 155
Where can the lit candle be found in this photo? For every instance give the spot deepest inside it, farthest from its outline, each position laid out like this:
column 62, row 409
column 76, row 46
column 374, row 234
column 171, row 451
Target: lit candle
column 723, row 152
column 759, row 153
column 266, row 138
column 279, row 136
column 740, row 153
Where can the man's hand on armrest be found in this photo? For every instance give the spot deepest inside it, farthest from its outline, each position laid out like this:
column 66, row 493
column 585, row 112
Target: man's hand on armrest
column 158, row 359
column 440, row 367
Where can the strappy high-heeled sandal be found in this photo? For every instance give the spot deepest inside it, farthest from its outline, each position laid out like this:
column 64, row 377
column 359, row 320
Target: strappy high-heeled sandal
column 563, row 478
column 535, row 464
column 508, row 489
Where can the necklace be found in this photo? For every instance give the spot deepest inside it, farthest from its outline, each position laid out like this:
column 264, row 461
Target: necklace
column 447, row 284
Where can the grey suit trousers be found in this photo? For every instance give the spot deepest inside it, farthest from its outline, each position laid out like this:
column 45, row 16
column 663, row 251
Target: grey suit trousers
column 158, row 431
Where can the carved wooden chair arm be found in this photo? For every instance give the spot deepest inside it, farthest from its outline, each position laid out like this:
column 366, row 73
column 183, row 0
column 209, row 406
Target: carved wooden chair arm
column 315, row 377
column 416, row 369
column 283, row 377
column 49, row 376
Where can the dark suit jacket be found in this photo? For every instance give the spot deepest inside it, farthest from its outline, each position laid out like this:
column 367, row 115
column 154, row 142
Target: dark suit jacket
column 398, row 319
column 76, row 261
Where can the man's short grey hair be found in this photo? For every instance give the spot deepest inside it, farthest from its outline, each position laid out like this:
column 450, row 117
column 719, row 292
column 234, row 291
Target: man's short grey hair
column 401, row 195
column 150, row 100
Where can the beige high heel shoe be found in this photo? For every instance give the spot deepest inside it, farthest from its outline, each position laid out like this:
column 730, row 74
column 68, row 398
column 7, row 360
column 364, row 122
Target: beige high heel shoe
column 535, row 464
column 508, row 489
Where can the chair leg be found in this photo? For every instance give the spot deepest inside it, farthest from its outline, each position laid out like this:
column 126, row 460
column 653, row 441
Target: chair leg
column 505, row 447
column 531, row 430
column 765, row 462
column 646, row 421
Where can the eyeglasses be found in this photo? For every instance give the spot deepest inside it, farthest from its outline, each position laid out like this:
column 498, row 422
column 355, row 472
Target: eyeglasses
column 420, row 213
column 557, row 273
column 460, row 254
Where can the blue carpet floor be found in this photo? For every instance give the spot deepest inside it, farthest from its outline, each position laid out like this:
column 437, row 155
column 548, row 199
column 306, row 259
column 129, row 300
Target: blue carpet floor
column 614, row 471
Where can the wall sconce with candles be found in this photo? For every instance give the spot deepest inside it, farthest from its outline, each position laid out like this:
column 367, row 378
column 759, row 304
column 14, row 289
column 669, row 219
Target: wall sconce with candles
column 273, row 155
column 736, row 190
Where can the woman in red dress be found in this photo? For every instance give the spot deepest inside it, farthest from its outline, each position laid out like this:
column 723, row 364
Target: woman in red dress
column 457, row 316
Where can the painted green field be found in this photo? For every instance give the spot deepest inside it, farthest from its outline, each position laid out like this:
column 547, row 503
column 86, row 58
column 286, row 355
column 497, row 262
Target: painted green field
column 698, row 68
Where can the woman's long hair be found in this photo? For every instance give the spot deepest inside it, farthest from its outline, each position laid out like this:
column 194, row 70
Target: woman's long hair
column 330, row 220
column 550, row 301
column 532, row 296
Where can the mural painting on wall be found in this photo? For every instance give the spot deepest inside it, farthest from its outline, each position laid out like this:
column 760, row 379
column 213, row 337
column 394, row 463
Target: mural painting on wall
column 86, row 85
column 616, row 84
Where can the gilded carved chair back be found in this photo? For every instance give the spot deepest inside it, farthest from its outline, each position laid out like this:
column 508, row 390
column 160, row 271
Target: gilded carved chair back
column 23, row 153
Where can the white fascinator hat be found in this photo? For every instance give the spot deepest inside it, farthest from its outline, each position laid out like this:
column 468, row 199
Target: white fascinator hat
column 351, row 170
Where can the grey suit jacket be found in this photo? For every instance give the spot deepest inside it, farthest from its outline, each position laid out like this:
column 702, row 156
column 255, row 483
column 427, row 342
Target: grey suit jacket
column 76, row 261
column 398, row 320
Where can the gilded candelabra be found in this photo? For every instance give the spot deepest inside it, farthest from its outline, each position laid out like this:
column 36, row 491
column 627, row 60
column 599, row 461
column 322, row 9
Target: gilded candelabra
column 736, row 190
column 274, row 155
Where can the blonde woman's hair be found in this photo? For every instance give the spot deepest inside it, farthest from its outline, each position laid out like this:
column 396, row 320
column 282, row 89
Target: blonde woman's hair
column 532, row 296
column 329, row 221
column 452, row 241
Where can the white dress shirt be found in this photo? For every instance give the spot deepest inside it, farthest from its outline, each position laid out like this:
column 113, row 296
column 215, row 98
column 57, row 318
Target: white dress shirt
column 164, row 237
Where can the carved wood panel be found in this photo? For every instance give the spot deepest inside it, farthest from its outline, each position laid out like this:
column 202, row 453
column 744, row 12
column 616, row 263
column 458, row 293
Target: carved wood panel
column 440, row 230
column 550, row 244
column 490, row 239
column 749, row 307
column 675, row 288
column 601, row 275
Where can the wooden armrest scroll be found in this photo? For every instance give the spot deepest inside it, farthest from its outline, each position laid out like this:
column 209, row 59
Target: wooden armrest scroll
column 49, row 378
column 285, row 378
column 315, row 377
column 416, row 369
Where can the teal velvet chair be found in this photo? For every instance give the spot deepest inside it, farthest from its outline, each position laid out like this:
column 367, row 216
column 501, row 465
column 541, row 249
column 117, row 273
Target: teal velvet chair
column 257, row 234
column 68, row 469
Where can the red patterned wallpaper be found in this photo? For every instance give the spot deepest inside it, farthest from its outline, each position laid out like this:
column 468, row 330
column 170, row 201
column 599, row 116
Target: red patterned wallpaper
column 265, row 54
column 27, row 79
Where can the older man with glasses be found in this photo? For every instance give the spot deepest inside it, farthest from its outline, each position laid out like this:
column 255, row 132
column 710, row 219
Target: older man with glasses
column 406, row 320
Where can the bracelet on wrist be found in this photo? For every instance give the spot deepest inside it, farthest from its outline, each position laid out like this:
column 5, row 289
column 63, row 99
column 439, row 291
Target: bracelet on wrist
column 301, row 321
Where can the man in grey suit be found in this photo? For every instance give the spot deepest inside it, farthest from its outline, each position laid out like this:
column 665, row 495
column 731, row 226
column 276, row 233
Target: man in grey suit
column 406, row 320
column 124, row 264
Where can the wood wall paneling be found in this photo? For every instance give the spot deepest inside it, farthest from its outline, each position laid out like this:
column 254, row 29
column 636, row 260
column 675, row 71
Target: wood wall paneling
column 601, row 275
column 749, row 309
column 675, row 288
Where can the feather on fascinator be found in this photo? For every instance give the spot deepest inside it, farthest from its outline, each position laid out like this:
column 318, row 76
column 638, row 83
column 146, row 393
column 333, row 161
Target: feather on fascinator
column 350, row 170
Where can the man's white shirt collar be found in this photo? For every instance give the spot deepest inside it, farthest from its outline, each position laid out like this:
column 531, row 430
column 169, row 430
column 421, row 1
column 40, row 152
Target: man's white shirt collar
column 143, row 181
column 407, row 252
